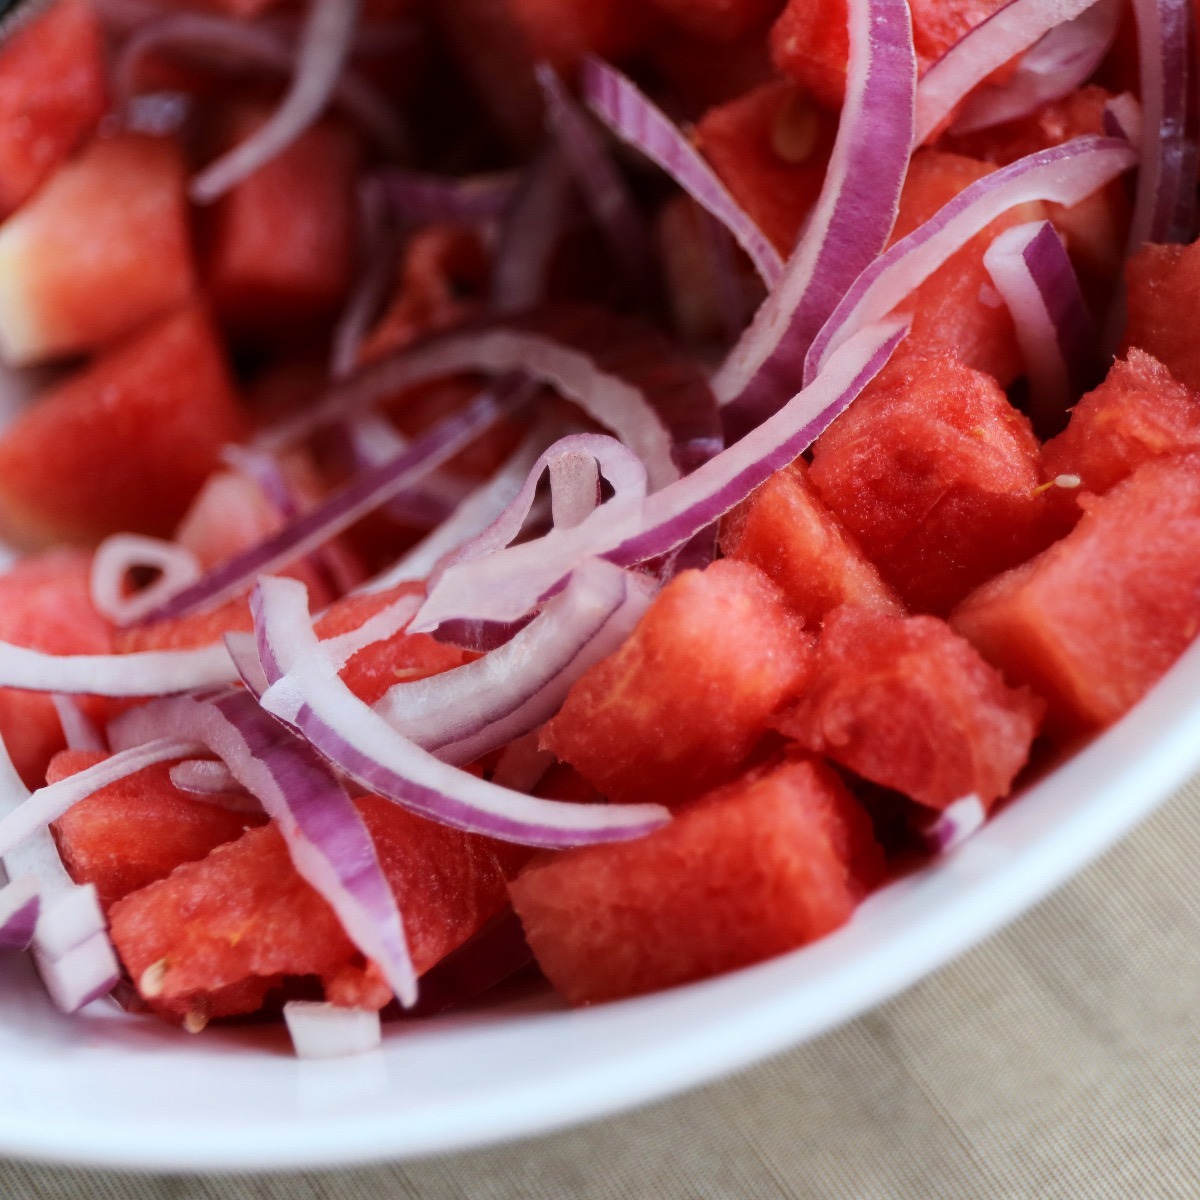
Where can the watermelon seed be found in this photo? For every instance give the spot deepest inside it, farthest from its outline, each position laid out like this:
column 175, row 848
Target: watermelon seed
column 153, row 978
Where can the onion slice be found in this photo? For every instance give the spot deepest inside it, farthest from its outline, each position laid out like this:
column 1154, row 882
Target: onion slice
column 307, row 694
column 119, row 555
column 320, row 1030
column 146, row 673
column 634, row 118
column 954, row 825
column 20, row 901
column 418, row 197
column 1064, row 174
column 850, row 224
column 78, row 729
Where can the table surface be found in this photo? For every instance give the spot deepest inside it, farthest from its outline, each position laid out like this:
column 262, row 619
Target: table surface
column 1059, row 1059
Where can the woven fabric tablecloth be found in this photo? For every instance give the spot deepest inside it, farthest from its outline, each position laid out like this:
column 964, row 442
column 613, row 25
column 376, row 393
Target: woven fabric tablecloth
column 1060, row 1059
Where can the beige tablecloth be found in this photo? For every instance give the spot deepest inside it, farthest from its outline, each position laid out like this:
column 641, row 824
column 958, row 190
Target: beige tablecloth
column 1060, row 1059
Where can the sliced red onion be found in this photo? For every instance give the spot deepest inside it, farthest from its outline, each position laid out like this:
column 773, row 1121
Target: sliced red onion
column 329, row 844
column 211, row 781
column 1123, row 118
column 324, row 47
column 1033, row 274
column 361, row 495
column 1065, row 58
column 77, row 727
column 954, row 825
column 507, row 583
column 469, row 711
column 118, row 556
column 147, row 673
column 20, row 901
column 535, row 222
column 733, row 303
column 159, row 114
column 604, row 191
column 419, row 198
column 83, row 974
column 522, row 764
column 1164, row 207
column 850, row 224
column 1064, row 174
column 574, row 487
column 221, row 39
column 635, row 119
column 307, row 694
column 320, row 1030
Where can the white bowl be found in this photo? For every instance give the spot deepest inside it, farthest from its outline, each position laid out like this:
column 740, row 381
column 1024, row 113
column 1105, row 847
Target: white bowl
column 106, row 1088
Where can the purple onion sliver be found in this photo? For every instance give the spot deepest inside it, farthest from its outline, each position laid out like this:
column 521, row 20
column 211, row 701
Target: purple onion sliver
column 954, row 825
column 419, row 197
column 20, row 902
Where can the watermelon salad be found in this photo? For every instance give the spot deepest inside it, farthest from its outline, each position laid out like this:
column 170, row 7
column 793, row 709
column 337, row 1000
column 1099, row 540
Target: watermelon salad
column 582, row 486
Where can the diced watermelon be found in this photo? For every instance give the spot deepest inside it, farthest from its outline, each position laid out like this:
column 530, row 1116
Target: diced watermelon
column 786, row 531
column 244, row 914
column 1094, row 621
column 1139, row 412
column 720, row 20
column 937, row 476
column 279, row 247
column 46, row 604
column 682, row 704
column 810, row 43
column 956, row 311
column 770, row 148
column 52, row 95
column 124, row 443
column 909, row 704
column 137, row 830
column 755, row 869
column 1163, row 291
column 187, row 633
column 102, row 248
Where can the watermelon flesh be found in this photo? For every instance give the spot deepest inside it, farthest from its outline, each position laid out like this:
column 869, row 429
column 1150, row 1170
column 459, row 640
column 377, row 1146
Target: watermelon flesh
column 681, row 705
column 124, row 443
column 1162, row 291
column 221, row 932
column 719, row 20
column 907, row 703
column 137, row 830
column 123, row 199
column 52, row 96
column 752, row 870
column 1094, row 621
column 786, row 531
column 1139, row 412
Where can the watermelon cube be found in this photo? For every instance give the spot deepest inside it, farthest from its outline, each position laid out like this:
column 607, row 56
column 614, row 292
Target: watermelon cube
column 786, row 531
column 52, row 95
column 220, row 932
column 907, row 703
column 1139, row 412
column 937, row 476
column 681, row 705
column 1163, row 291
column 138, row 829
column 720, row 20
column 754, row 869
column 186, row 633
column 1094, row 621
column 279, row 247
column 125, row 442
column 770, row 148
column 102, row 248
column 45, row 604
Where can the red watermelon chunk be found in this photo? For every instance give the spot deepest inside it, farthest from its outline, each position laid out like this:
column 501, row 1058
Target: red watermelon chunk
column 52, row 95
column 102, row 248
column 243, row 914
column 755, row 869
column 810, row 43
column 682, row 704
column 187, row 633
column 909, row 704
column 720, row 20
column 45, row 604
column 137, row 830
column 1139, row 412
column 1163, row 293
column 279, row 247
column 770, row 148
column 787, row 532
column 937, row 476
column 1095, row 620
column 125, row 442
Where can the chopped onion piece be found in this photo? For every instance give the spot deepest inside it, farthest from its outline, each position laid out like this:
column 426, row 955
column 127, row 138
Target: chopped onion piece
column 78, row 730
column 82, row 975
column 307, row 694
column 325, row 45
column 320, row 1030
column 211, row 781
column 954, row 825
column 1064, row 174
column 19, row 904
column 849, row 225
column 634, row 118
column 419, row 197
column 122, row 553
column 1033, row 274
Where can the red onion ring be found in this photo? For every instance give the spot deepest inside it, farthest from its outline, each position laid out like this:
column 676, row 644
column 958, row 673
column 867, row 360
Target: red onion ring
column 117, row 556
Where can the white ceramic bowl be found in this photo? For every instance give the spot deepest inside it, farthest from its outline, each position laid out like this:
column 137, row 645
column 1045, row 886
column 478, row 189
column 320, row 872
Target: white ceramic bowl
column 105, row 1088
